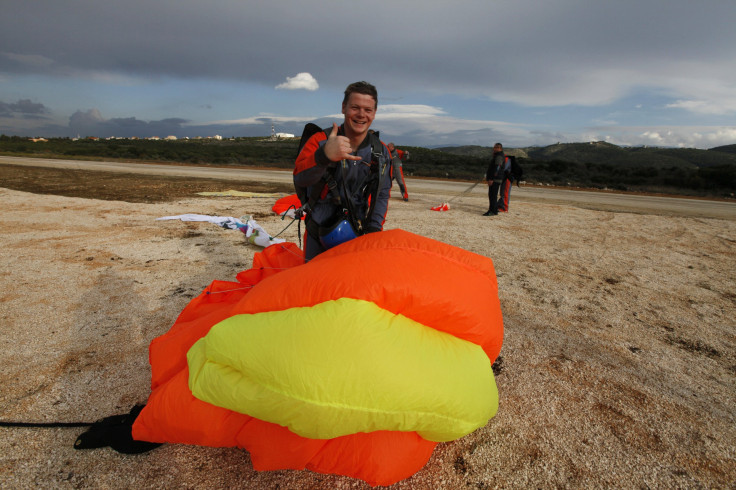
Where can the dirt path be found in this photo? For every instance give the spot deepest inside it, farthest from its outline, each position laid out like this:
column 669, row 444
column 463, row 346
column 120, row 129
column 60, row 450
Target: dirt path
column 453, row 191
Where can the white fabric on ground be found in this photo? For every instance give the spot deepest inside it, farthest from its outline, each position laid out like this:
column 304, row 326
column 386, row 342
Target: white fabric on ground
column 252, row 230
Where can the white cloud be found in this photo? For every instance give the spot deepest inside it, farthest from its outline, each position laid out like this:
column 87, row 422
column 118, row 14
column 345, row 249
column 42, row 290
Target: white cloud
column 701, row 88
column 671, row 136
column 715, row 107
column 427, row 125
column 412, row 109
column 437, row 127
column 302, row 81
column 32, row 60
column 261, row 118
column 605, row 122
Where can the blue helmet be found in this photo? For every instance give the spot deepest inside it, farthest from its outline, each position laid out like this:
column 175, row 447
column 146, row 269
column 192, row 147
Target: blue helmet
column 340, row 232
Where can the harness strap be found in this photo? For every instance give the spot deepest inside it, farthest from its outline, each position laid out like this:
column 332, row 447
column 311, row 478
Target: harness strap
column 328, row 180
column 376, row 156
column 369, row 183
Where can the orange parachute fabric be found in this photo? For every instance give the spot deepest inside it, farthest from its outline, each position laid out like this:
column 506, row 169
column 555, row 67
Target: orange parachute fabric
column 283, row 205
column 437, row 285
column 442, row 207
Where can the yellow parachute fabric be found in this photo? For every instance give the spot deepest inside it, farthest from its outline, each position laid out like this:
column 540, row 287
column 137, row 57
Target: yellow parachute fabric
column 342, row 367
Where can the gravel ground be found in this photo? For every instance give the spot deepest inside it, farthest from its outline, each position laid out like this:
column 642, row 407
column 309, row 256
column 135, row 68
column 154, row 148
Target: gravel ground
column 618, row 367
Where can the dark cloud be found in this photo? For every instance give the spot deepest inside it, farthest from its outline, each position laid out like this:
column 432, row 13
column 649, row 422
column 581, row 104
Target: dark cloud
column 565, row 54
column 504, row 49
column 91, row 123
column 23, row 108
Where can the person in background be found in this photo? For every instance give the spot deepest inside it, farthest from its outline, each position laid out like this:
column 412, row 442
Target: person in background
column 397, row 159
column 494, row 177
column 505, row 190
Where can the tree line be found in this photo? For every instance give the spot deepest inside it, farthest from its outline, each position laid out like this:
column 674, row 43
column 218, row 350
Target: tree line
column 663, row 174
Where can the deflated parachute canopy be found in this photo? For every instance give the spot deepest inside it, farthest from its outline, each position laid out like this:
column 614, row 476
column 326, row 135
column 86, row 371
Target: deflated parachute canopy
column 287, row 206
column 356, row 363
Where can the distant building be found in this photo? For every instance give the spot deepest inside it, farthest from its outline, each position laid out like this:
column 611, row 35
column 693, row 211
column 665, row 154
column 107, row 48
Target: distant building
column 278, row 136
column 170, row 138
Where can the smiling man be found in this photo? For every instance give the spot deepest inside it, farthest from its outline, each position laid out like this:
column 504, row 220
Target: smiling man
column 344, row 174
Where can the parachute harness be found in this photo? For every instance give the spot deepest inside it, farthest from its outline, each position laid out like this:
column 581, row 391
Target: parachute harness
column 368, row 188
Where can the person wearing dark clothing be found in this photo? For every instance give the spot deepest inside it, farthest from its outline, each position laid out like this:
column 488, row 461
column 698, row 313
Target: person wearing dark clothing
column 505, row 190
column 494, row 177
column 346, row 171
column 397, row 159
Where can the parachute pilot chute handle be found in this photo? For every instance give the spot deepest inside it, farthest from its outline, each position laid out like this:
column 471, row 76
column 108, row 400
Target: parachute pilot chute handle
column 302, row 210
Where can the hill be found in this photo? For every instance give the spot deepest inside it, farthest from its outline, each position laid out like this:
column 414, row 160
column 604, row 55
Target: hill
column 603, row 153
column 725, row 149
column 604, row 165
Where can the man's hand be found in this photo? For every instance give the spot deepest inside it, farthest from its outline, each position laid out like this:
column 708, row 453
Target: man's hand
column 338, row 147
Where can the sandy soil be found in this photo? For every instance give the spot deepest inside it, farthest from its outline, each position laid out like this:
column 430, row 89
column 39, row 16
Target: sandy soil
column 618, row 367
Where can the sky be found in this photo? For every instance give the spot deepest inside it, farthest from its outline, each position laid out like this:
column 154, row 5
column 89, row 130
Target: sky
column 521, row 72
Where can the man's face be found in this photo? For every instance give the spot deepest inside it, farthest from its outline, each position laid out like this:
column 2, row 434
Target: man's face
column 359, row 110
column 497, row 148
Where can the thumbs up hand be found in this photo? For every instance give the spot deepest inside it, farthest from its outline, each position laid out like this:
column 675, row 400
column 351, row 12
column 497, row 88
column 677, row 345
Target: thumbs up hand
column 338, row 147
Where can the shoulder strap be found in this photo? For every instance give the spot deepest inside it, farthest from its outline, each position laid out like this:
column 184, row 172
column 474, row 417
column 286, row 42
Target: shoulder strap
column 307, row 133
column 328, row 179
column 379, row 165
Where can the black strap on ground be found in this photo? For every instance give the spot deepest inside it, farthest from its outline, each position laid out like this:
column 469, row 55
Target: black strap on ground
column 115, row 431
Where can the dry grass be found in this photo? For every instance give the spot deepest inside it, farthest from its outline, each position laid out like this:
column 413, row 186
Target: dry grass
column 618, row 367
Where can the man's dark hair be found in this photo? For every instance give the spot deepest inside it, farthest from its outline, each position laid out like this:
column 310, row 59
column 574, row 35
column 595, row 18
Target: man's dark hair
column 498, row 144
column 361, row 88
